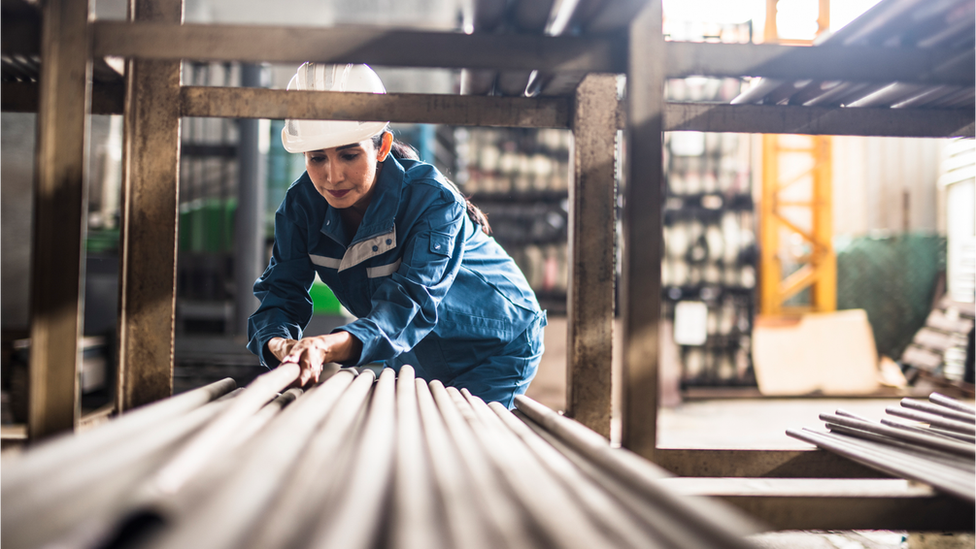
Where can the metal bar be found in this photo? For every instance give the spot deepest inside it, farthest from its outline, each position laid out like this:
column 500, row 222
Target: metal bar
column 640, row 297
column 934, row 432
column 75, row 498
column 54, row 454
column 932, row 458
column 819, row 120
column 850, row 63
column 149, row 225
column 822, row 504
column 760, row 464
column 949, row 402
column 373, row 45
column 60, row 222
column 398, row 107
column 868, row 454
column 548, row 501
column 960, row 448
column 467, row 526
column 589, row 300
column 300, row 502
column 249, row 237
column 370, row 478
column 507, row 523
column 933, row 420
column 414, row 494
column 195, row 454
column 634, row 523
column 715, row 525
column 232, row 508
column 937, row 409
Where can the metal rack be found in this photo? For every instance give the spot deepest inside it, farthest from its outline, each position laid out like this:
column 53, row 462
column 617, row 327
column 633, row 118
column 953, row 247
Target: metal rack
column 153, row 100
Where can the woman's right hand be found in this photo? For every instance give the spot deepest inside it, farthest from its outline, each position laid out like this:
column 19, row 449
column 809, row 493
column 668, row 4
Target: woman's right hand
column 310, row 353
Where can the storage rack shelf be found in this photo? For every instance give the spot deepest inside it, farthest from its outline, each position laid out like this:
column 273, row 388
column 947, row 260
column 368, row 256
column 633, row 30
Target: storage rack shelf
column 152, row 100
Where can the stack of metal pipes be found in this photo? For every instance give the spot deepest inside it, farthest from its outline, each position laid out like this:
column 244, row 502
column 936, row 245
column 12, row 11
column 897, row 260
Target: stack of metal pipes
column 355, row 461
column 937, row 447
column 946, row 25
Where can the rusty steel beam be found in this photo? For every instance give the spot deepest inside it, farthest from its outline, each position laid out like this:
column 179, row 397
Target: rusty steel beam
column 589, row 300
column 60, row 223
column 150, row 201
column 398, row 107
column 373, row 45
column 760, row 464
column 640, row 295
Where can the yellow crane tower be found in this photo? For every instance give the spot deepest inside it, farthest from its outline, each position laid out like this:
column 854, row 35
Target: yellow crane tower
column 795, row 215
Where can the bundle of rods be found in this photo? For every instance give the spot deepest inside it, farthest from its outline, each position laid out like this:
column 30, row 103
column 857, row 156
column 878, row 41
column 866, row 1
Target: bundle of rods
column 355, row 461
column 937, row 448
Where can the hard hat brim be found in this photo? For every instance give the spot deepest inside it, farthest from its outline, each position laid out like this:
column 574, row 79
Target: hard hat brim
column 338, row 134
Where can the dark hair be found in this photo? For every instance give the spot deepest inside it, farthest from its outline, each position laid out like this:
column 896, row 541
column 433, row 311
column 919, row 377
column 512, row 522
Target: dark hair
column 401, row 150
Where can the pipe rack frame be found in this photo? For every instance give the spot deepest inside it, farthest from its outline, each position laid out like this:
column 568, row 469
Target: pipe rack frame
column 643, row 116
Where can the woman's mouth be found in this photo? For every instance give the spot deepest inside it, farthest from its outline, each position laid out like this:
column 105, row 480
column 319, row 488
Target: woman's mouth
column 339, row 193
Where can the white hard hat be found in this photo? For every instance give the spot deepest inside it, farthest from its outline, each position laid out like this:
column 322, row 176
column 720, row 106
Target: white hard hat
column 310, row 135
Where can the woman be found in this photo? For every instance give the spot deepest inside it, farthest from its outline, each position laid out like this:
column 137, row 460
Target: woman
column 402, row 250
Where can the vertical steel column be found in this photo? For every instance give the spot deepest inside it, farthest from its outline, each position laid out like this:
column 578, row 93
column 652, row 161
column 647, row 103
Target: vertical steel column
column 249, row 254
column 643, row 238
column 150, row 201
column 59, row 217
column 591, row 272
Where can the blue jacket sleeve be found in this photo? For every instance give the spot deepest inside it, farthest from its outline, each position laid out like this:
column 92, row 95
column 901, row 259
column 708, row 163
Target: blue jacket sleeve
column 404, row 306
column 286, row 306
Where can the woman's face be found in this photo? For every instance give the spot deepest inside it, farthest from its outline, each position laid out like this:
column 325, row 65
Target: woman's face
column 346, row 175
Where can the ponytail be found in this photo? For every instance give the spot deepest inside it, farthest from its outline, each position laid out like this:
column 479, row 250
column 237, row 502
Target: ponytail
column 401, row 150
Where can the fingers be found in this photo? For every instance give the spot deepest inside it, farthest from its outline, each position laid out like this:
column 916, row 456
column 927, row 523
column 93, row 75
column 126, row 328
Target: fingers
column 309, row 355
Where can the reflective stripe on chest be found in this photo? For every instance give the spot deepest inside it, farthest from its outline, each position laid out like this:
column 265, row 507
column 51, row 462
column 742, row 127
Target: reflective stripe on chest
column 361, row 251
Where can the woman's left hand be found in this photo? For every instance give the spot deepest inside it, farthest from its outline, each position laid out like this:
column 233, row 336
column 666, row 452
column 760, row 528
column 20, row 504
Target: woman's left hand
column 310, row 353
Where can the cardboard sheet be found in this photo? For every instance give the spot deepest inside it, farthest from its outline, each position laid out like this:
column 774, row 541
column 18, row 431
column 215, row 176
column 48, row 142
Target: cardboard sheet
column 830, row 353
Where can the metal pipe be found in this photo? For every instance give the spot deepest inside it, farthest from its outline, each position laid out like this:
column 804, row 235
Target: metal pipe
column 882, row 463
column 933, row 420
column 935, row 432
column 93, row 486
column 938, row 410
column 924, row 440
column 714, row 523
column 370, row 476
column 935, row 456
column 42, row 460
column 265, row 415
column 548, row 502
column 614, row 517
column 195, row 455
column 229, row 510
column 673, row 533
column 417, row 515
column 468, row 519
column 508, row 521
column 300, row 500
column 949, row 402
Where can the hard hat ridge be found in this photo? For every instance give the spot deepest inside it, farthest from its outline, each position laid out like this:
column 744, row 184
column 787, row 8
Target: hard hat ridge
column 309, row 135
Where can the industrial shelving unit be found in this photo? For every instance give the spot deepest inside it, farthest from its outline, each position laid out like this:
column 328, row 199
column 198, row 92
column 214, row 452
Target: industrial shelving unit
column 624, row 37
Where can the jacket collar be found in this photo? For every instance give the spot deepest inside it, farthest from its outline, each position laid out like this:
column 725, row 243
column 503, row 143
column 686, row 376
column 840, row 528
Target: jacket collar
column 380, row 215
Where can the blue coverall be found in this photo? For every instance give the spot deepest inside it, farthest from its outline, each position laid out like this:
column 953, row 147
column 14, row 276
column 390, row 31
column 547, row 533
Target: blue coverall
column 428, row 287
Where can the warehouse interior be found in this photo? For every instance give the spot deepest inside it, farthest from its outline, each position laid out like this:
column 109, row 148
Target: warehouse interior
column 804, row 262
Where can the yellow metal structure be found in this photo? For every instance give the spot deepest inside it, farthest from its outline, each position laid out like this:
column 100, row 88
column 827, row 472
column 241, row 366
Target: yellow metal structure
column 797, row 266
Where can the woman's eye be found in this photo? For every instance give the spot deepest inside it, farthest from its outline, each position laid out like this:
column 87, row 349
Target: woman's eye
column 316, row 159
column 348, row 157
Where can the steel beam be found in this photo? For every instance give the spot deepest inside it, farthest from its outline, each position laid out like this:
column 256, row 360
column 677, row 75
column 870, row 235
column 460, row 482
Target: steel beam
column 60, row 203
column 640, row 296
column 850, row 63
column 591, row 249
column 760, row 463
column 150, row 200
column 374, row 45
column 768, row 119
column 399, row 107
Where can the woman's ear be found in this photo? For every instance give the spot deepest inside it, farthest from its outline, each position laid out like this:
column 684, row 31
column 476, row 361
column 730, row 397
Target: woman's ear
column 386, row 143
